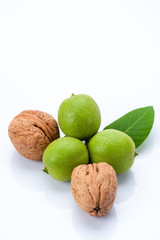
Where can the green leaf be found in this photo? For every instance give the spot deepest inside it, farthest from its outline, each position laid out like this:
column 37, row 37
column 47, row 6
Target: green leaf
column 137, row 124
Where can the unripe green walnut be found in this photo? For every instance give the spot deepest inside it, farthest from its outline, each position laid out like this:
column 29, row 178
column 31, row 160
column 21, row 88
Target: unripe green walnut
column 79, row 116
column 63, row 155
column 113, row 147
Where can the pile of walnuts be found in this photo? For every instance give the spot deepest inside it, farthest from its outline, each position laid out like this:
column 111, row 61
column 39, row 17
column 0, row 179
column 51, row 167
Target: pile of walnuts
column 93, row 186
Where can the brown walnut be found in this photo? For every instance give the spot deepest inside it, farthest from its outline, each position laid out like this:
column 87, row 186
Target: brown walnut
column 94, row 187
column 31, row 132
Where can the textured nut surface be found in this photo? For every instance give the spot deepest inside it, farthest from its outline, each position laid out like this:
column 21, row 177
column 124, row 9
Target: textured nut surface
column 94, row 187
column 31, row 132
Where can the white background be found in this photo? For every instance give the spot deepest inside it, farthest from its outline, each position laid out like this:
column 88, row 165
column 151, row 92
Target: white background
column 50, row 49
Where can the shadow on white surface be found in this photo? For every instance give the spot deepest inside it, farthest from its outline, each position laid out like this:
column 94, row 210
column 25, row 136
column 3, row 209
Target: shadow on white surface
column 30, row 176
column 26, row 172
column 57, row 194
column 88, row 227
column 126, row 186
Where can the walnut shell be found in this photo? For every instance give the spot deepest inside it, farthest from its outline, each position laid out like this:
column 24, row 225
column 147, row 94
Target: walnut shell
column 94, row 187
column 31, row 132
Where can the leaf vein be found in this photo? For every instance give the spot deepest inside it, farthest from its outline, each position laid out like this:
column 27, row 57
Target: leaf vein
column 137, row 121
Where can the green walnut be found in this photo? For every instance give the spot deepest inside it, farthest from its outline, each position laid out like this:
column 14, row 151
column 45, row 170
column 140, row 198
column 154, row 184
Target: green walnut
column 62, row 156
column 113, row 147
column 79, row 116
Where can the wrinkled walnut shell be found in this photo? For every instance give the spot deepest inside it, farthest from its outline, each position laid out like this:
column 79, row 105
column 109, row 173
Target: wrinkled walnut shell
column 94, row 187
column 31, row 132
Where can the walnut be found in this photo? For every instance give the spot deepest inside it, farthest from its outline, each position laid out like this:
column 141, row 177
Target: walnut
column 94, row 187
column 31, row 132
